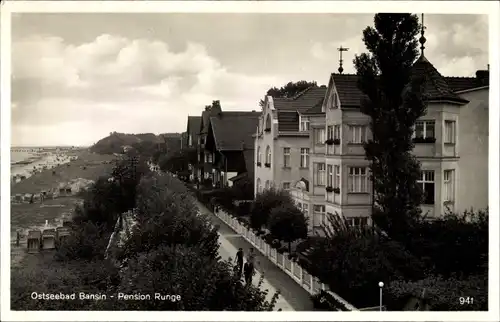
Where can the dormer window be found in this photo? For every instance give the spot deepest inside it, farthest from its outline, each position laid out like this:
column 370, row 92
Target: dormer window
column 304, row 123
column 334, row 100
column 268, row 124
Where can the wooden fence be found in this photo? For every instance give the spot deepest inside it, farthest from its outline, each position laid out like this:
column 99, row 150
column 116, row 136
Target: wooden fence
column 308, row 282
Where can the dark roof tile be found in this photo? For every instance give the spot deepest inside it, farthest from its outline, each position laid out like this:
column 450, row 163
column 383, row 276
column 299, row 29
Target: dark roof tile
column 194, row 125
column 304, row 102
column 231, row 129
column 437, row 86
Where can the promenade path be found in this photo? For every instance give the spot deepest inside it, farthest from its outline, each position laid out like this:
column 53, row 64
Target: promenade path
column 292, row 296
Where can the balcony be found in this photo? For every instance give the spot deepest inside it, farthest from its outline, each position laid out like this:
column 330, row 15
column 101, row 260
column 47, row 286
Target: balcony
column 424, row 147
column 333, row 147
column 332, row 195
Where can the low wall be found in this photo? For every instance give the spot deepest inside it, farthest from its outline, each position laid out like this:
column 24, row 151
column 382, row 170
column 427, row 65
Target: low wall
column 308, row 282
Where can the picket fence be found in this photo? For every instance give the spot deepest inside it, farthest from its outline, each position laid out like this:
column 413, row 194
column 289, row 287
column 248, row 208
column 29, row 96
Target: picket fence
column 308, row 282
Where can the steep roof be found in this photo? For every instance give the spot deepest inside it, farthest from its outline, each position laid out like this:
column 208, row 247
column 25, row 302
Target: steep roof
column 205, row 117
column 193, row 126
column 437, row 86
column 316, row 109
column 304, row 102
column 232, row 129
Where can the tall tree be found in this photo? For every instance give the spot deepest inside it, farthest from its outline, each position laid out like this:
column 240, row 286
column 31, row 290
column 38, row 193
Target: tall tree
column 288, row 90
column 395, row 100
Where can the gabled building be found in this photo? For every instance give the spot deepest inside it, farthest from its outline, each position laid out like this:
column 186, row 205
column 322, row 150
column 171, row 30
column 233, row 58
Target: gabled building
column 283, row 143
column 451, row 143
column 192, row 133
column 205, row 159
column 229, row 145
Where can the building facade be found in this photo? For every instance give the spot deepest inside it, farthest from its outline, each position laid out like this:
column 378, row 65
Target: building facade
column 282, row 143
column 451, row 144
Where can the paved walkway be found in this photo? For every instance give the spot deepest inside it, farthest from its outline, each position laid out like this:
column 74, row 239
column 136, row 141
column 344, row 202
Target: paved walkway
column 292, row 296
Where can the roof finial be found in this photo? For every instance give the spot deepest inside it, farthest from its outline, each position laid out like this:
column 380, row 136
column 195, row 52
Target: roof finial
column 341, row 49
column 422, row 37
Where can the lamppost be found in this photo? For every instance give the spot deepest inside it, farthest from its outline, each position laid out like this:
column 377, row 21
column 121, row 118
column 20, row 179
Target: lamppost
column 380, row 285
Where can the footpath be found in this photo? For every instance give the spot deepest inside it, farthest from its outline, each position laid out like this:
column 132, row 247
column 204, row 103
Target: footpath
column 292, row 296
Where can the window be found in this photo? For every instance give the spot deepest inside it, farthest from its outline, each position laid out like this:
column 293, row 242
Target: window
column 268, row 122
column 337, row 177
column 449, row 131
column 286, row 185
column 267, row 185
column 319, row 136
column 449, row 188
column 268, row 154
column 357, row 133
column 259, row 155
column 329, row 133
column 358, row 179
column 329, row 175
column 286, row 157
column 190, row 140
column 424, row 129
column 304, row 123
column 357, row 221
column 319, row 174
column 334, row 100
column 427, row 184
column 258, row 185
column 336, row 132
column 304, row 157
column 319, row 212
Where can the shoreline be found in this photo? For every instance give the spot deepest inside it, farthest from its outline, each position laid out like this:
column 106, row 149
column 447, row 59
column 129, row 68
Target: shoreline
column 37, row 164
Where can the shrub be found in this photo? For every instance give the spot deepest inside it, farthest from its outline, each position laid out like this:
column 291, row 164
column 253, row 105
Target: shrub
column 356, row 277
column 264, row 203
column 86, row 242
column 323, row 301
column 453, row 244
column 287, row 223
column 67, row 277
column 441, row 294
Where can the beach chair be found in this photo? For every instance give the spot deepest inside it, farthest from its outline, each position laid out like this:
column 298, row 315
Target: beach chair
column 49, row 238
column 34, row 241
column 62, row 234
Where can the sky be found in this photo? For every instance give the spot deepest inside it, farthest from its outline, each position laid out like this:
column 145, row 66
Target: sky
column 76, row 77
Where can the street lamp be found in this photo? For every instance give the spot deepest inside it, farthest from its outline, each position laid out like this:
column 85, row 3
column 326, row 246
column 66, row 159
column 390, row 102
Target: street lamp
column 380, row 285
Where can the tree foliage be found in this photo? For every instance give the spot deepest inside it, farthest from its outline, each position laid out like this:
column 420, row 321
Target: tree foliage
column 264, row 203
column 204, row 283
column 179, row 161
column 352, row 260
column 288, row 90
column 169, row 217
column 453, row 245
column 287, row 223
column 441, row 294
column 395, row 100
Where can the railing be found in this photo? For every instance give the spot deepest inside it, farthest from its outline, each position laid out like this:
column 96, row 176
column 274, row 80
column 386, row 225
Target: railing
column 300, row 275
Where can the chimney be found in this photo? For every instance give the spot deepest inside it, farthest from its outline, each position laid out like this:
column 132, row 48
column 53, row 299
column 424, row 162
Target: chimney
column 483, row 77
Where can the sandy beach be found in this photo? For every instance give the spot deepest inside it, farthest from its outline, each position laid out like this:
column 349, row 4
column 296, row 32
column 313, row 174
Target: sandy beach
column 26, row 216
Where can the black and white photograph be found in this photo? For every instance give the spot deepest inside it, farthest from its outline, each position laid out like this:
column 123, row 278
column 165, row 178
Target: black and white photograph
column 298, row 162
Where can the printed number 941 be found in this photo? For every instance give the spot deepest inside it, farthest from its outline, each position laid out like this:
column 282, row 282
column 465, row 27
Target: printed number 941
column 466, row 300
